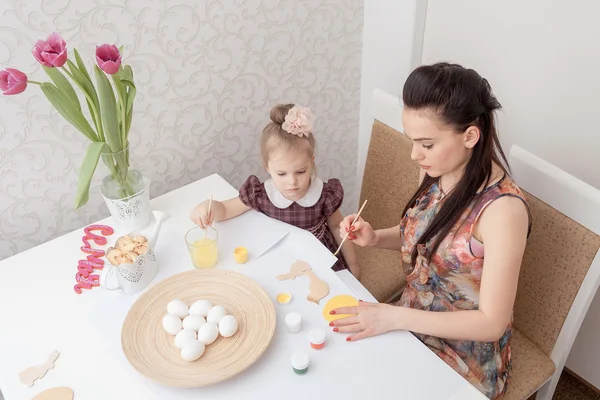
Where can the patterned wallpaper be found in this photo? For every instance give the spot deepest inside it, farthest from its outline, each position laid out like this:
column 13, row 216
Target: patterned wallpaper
column 207, row 74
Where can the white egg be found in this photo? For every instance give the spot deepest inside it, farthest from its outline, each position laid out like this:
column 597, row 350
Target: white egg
column 192, row 350
column 184, row 335
column 215, row 314
column 208, row 333
column 201, row 308
column 177, row 307
column 228, row 326
column 193, row 322
column 172, row 324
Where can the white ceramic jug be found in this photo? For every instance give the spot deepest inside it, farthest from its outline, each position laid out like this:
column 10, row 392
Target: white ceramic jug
column 131, row 278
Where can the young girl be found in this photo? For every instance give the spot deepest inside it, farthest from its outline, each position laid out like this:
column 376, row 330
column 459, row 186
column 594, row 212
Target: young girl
column 462, row 236
column 293, row 194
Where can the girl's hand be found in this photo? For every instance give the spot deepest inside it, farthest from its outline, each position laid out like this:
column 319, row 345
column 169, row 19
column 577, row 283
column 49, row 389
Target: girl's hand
column 361, row 233
column 200, row 215
column 371, row 319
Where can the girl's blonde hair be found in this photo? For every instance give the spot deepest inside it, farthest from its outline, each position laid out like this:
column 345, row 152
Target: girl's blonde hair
column 273, row 135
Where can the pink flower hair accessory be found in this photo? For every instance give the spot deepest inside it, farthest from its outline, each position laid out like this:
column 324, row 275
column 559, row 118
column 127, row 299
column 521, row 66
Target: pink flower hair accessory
column 299, row 121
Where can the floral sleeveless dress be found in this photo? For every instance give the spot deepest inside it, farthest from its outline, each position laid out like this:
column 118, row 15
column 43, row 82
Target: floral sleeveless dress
column 451, row 282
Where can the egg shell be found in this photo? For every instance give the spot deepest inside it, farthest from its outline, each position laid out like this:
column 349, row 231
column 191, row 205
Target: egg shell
column 192, row 350
column 228, row 325
column 184, row 335
column 178, row 307
column 208, row 333
column 171, row 324
column 215, row 314
column 201, row 308
column 193, row 322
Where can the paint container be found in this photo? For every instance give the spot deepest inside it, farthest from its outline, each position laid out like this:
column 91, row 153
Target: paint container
column 283, row 299
column 300, row 363
column 293, row 322
column 317, row 338
column 240, row 254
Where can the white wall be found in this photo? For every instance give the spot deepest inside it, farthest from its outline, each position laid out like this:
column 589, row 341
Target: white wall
column 541, row 58
column 207, row 74
column 388, row 35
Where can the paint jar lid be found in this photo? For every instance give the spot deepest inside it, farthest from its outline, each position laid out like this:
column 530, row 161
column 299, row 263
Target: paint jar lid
column 293, row 318
column 300, row 361
column 316, row 336
column 284, row 298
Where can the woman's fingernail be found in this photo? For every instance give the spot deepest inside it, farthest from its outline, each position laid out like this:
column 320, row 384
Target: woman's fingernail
column 332, row 312
column 352, row 228
column 360, row 301
column 347, row 230
column 335, row 329
column 348, row 339
column 331, row 323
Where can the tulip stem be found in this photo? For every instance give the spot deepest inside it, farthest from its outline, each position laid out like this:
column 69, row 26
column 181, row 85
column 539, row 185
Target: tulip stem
column 35, row 82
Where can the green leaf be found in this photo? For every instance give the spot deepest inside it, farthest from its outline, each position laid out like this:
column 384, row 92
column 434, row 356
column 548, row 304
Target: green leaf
column 90, row 161
column 63, row 84
column 121, row 48
column 108, row 110
column 87, row 85
column 80, row 65
column 82, row 79
column 130, row 94
column 128, row 73
column 64, row 105
column 127, row 80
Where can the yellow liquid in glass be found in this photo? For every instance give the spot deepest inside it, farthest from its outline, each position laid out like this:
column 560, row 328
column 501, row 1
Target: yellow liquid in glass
column 204, row 253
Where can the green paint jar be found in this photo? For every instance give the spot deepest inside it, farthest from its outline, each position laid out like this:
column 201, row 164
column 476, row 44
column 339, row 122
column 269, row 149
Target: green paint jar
column 300, row 363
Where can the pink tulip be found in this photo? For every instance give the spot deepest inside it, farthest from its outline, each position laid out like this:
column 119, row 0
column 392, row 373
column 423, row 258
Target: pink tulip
column 52, row 52
column 12, row 81
column 108, row 58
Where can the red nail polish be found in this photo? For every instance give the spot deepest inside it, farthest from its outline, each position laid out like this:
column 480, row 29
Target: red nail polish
column 335, row 329
column 331, row 323
column 332, row 312
column 352, row 228
column 348, row 339
column 347, row 229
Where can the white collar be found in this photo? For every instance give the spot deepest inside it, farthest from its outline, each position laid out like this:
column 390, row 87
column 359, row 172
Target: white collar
column 313, row 194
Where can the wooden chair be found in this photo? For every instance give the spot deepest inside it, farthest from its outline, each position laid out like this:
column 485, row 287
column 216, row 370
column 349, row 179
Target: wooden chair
column 559, row 275
column 390, row 179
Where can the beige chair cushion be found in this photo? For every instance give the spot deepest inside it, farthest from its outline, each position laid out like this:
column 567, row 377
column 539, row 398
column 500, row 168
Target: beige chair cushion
column 531, row 368
column 389, row 181
column 558, row 255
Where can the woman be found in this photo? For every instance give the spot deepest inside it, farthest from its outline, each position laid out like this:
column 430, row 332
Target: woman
column 465, row 206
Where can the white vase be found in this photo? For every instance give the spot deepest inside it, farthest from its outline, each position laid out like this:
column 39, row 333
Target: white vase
column 126, row 192
column 131, row 213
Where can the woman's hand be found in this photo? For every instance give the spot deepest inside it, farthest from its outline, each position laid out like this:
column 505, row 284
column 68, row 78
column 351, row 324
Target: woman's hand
column 361, row 233
column 200, row 215
column 370, row 319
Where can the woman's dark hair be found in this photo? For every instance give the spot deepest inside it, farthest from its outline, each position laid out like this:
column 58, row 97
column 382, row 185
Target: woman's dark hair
column 460, row 98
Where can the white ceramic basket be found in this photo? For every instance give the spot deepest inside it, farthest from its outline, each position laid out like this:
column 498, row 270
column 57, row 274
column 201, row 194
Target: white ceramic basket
column 131, row 278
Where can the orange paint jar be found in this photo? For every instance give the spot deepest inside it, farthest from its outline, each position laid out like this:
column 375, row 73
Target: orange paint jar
column 317, row 338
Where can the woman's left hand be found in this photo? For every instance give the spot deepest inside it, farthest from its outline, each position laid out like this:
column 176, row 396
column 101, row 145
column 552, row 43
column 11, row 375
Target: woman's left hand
column 370, row 319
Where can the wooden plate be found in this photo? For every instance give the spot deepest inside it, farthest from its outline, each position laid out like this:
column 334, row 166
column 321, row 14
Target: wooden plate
column 152, row 352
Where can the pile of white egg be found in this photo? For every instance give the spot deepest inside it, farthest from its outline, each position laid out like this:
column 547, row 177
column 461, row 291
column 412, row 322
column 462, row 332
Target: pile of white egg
column 197, row 327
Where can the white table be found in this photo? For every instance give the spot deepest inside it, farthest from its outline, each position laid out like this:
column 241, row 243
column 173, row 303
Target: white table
column 40, row 312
